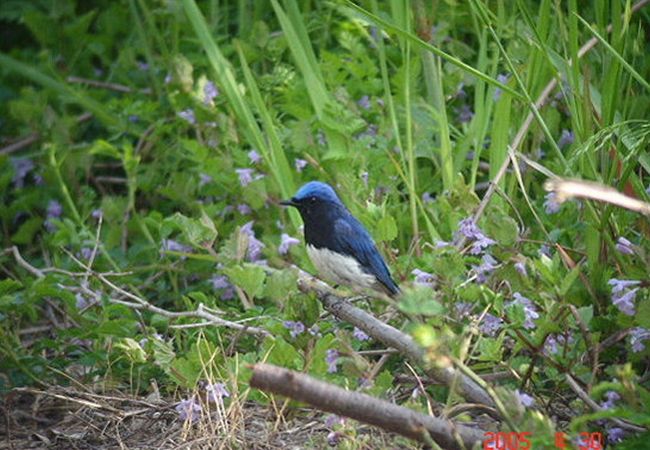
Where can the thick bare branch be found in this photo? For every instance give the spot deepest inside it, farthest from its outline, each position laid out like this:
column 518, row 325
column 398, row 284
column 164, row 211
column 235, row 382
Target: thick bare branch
column 363, row 407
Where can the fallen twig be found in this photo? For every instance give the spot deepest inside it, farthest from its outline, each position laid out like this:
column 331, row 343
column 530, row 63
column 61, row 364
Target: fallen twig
column 363, row 407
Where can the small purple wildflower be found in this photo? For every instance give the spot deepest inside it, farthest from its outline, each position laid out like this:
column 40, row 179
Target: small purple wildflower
column 485, row 269
column 545, row 250
column 300, row 164
column 621, row 285
column 468, row 228
column 520, row 266
column 624, row 246
column 334, row 438
column 427, row 198
column 245, row 176
column 463, row 309
column 321, row 138
column 551, row 205
column 490, row 324
column 133, row 118
column 170, row 245
column 503, row 79
column 637, row 336
column 441, row 244
column 54, row 211
column 314, row 330
column 188, row 115
column 255, row 246
column 286, row 242
column 254, row 157
column 142, row 65
column 204, row 179
column 22, row 167
column 168, row 78
column 97, row 214
column 464, row 113
column 360, row 335
column 295, row 328
column 244, row 209
column 423, row 278
column 530, row 310
column 567, row 138
column 222, row 282
column 623, row 295
column 364, row 102
column 80, row 301
column 188, row 409
column 554, row 342
column 210, row 92
column 615, row 435
column 525, row 399
column 86, row 253
column 331, row 357
column 480, row 245
column 216, row 392
column 611, row 397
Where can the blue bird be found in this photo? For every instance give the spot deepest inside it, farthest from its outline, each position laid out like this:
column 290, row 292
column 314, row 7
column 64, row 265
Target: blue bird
column 337, row 243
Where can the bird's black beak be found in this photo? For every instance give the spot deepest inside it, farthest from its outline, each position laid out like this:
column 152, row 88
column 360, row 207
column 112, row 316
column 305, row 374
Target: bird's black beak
column 290, row 202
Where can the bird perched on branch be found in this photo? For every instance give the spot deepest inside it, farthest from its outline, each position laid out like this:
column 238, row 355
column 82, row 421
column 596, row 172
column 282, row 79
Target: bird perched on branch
column 337, row 243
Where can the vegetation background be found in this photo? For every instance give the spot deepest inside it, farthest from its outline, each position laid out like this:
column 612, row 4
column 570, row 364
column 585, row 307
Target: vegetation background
column 151, row 141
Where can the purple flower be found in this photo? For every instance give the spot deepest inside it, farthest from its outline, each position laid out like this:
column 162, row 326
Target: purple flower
column 334, row 438
column 286, row 243
column 188, row 115
column 295, row 328
column 468, row 228
column 133, row 118
column 142, row 65
column 188, row 409
column 487, row 266
column 463, row 309
column 423, row 278
column 86, row 253
column 552, row 343
column 314, row 330
column 168, row 78
column 464, row 113
column 97, row 214
column 625, row 302
column 255, row 246
column 545, row 250
column 300, row 164
column 427, row 198
column 551, row 205
column 170, row 245
column 21, row 168
column 621, row 285
column 204, row 179
column 615, row 435
column 520, row 266
column 566, row 138
column 245, row 176
column 624, row 246
column 360, row 335
column 525, row 399
column 530, row 310
column 503, row 79
column 441, row 244
column 54, row 211
column 321, row 138
column 80, row 301
column 244, row 209
column 210, row 92
column 332, row 420
column 254, row 157
column 637, row 336
column 364, row 102
column 216, row 392
column 490, row 324
column 222, row 282
column 611, row 397
column 331, row 357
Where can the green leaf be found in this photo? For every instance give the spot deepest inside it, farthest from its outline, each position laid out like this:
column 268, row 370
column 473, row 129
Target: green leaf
column 249, row 277
column 318, row 365
column 9, row 286
column 386, row 229
column 643, row 314
column 568, row 281
column 280, row 285
column 27, row 231
column 420, row 301
column 132, row 349
column 281, row 353
column 199, row 232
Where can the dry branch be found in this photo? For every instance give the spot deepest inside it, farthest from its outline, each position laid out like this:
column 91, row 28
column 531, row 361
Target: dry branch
column 391, row 337
column 363, row 407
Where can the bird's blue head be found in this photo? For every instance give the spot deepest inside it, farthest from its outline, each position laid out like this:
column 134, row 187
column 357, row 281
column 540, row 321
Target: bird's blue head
column 314, row 198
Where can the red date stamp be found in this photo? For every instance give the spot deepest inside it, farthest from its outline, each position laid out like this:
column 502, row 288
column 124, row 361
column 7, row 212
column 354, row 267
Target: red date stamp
column 522, row 441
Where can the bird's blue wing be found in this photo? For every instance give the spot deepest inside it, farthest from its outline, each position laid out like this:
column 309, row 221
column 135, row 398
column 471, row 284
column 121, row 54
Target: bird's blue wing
column 352, row 239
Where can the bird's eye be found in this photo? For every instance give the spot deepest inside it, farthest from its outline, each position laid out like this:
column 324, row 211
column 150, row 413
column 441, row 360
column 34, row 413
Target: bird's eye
column 313, row 199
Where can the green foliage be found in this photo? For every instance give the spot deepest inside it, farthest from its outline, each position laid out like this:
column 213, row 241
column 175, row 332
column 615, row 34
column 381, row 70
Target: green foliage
column 131, row 133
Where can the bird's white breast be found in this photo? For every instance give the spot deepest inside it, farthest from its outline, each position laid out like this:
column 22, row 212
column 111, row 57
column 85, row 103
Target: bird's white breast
column 339, row 268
